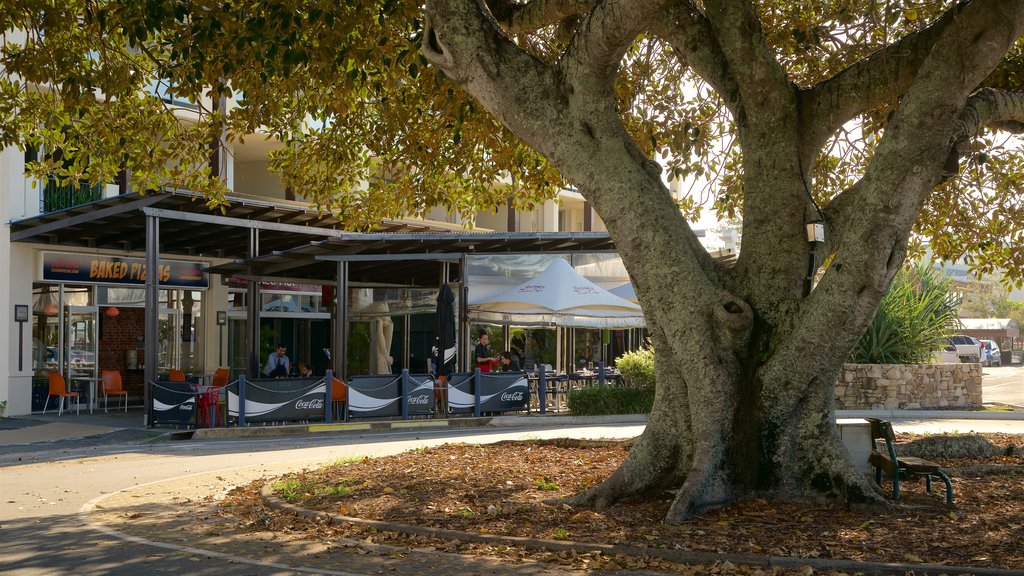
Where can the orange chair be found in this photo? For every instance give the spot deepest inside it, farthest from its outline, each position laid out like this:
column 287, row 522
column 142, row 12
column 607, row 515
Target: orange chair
column 339, row 393
column 112, row 386
column 220, row 377
column 176, row 376
column 59, row 389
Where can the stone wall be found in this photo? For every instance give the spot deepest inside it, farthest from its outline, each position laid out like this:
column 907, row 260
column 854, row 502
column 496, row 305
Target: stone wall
column 908, row 386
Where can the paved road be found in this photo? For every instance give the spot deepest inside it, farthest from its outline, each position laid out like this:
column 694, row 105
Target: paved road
column 1003, row 384
column 45, row 530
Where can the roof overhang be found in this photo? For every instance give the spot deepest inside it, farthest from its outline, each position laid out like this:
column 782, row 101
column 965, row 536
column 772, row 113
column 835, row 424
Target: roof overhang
column 189, row 227
column 408, row 259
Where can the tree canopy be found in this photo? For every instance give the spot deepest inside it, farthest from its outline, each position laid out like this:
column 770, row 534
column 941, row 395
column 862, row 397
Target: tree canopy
column 346, row 88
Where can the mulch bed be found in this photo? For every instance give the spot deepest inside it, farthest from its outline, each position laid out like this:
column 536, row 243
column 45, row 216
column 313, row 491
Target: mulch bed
column 512, row 488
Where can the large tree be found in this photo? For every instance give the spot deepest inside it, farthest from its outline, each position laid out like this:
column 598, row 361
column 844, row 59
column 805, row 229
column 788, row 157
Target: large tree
column 878, row 120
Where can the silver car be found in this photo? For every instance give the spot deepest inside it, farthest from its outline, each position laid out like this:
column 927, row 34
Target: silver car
column 991, row 353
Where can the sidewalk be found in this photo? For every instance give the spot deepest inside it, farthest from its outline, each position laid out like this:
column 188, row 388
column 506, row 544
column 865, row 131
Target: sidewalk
column 122, row 426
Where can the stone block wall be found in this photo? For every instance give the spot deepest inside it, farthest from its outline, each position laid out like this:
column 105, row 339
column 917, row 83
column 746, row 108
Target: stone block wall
column 908, row 386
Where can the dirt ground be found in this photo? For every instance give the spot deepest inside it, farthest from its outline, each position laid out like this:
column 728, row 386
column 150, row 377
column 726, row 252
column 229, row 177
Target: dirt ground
column 512, row 488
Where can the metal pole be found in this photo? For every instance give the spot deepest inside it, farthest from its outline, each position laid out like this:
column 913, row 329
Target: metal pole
column 340, row 352
column 252, row 313
column 151, row 357
column 329, row 397
column 464, row 351
column 542, row 388
column 404, row 386
column 241, row 400
column 477, row 382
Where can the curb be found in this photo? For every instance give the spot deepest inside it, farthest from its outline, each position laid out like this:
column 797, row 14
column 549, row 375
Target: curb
column 678, row 556
column 340, row 427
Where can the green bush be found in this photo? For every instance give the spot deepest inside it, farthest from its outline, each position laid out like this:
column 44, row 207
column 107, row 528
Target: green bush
column 603, row 400
column 914, row 319
column 637, row 367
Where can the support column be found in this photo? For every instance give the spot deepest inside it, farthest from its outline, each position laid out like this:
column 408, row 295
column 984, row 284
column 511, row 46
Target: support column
column 151, row 357
column 252, row 313
column 339, row 354
column 464, row 340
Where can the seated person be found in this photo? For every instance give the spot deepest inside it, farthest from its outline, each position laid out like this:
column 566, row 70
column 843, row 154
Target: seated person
column 510, row 362
column 278, row 364
column 304, row 370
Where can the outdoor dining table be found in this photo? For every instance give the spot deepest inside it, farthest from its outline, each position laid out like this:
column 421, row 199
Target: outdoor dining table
column 556, row 383
column 93, row 381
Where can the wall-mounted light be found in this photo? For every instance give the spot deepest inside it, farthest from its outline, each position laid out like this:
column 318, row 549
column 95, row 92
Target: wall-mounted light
column 112, row 312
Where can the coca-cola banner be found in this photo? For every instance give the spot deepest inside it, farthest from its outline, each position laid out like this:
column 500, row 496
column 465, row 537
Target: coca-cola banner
column 381, row 395
column 280, row 399
column 173, row 403
column 420, row 397
column 374, row 396
column 498, row 391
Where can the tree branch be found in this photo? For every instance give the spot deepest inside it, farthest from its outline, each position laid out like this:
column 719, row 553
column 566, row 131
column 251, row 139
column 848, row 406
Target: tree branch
column 525, row 17
column 606, row 33
column 692, row 39
column 883, row 76
column 752, row 63
column 992, row 108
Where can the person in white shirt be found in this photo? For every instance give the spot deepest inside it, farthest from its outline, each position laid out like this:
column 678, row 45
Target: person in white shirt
column 278, row 365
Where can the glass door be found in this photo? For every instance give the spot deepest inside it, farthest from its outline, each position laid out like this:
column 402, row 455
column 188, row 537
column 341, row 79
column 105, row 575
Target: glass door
column 81, row 351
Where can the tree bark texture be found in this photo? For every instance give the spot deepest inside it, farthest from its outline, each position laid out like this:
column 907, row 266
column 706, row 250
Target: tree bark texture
column 746, row 357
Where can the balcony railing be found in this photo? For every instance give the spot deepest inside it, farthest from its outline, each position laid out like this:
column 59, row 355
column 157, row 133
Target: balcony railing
column 61, row 197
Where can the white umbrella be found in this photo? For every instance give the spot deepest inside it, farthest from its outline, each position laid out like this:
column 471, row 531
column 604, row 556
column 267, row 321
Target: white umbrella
column 625, row 291
column 559, row 295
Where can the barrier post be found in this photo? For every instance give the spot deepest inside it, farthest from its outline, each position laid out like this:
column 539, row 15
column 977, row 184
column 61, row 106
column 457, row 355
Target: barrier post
column 148, row 418
column 477, row 382
column 241, row 400
column 404, row 386
column 329, row 397
column 600, row 373
column 542, row 389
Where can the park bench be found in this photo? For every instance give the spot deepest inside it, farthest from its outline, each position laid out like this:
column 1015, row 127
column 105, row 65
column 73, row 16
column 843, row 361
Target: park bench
column 906, row 466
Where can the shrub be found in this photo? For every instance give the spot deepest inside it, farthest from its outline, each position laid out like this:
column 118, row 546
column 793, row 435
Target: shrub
column 916, row 316
column 637, row 367
column 603, row 400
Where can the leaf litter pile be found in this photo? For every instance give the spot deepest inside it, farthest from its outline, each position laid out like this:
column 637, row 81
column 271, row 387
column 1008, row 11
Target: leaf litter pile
column 512, row 488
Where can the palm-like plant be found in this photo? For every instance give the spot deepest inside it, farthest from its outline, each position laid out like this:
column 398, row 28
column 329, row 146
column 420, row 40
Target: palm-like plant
column 916, row 316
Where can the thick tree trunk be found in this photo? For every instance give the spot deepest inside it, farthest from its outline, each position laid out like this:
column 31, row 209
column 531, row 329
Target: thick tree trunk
column 715, row 441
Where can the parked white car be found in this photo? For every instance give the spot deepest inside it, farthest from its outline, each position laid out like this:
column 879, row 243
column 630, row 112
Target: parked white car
column 967, row 348
column 991, row 355
column 946, row 355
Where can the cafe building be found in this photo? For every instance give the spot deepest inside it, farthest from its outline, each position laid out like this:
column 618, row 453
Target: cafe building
column 88, row 304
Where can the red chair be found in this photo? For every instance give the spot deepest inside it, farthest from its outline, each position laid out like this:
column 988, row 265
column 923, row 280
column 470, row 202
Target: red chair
column 207, row 401
column 59, row 389
column 220, row 379
column 112, row 386
column 176, row 376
